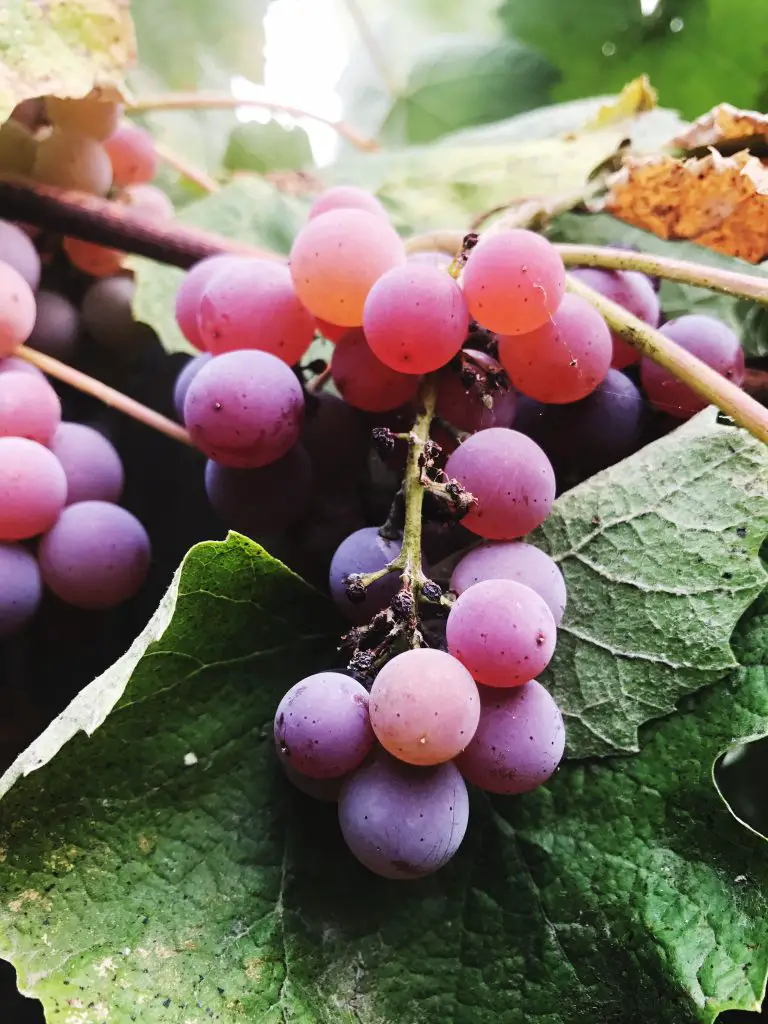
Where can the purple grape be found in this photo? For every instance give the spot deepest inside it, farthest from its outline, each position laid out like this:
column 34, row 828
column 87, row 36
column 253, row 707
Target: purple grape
column 336, row 438
column 244, row 409
column 633, row 291
column 502, row 631
column 92, row 466
column 519, row 742
column 465, row 407
column 108, row 314
column 262, row 501
column 322, row 728
column 325, row 790
column 603, row 428
column 56, row 327
column 362, row 552
column 517, row 561
column 19, row 252
column 95, row 556
column 403, row 822
column 22, row 588
column 188, row 373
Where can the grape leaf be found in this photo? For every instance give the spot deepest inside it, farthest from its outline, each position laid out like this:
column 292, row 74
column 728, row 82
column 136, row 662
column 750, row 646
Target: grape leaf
column 267, row 147
column 161, row 869
column 696, row 52
column 250, row 210
column 63, row 47
column 746, row 318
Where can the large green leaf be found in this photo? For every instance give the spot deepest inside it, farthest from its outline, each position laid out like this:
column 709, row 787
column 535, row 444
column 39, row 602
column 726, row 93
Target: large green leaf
column 161, row 869
column 250, row 210
column 748, row 319
column 696, row 52
column 63, row 47
column 267, row 147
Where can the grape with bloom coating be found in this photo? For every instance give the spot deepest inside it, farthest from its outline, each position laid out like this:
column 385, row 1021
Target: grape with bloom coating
column 131, row 151
column 424, row 707
column 17, row 309
column 403, row 822
column 190, row 293
column 89, row 115
column 96, row 555
column 90, row 462
column 188, row 373
column 703, row 336
column 511, row 478
column 244, row 409
column 513, row 560
column 19, row 252
column 519, row 742
column 252, row 304
column 346, row 197
column 502, row 631
column 465, row 406
column 73, row 161
column 322, row 728
column 364, row 381
column 633, row 291
column 29, row 407
column 563, row 360
column 415, row 318
column 22, row 588
column 337, row 258
column 364, row 551
column 33, row 488
column 513, row 281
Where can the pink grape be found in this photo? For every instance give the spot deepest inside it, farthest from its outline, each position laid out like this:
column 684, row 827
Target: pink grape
column 364, row 551
column 465, row 407
column 703, row 336
column 148, row 200
column 322, row 728
column 563, row 360
column 346, row 197
column 364, row 381
column 511, row 478
column 337, row 258
column 400, row 821
column 17, row 309
column 424, row 707
column 431, row 258
column 244, row 409
column 95, row 556
column 517, row 561
column 131, row 150
column 252, row 304
column 21, row 590
column 92, row 466
column 33, row 488
column 29, row 407
column 14, row 364
column 415, row 318
column 19, row 252
column 633, row 291
column 190, row 293
column 519, row 742
column 502, row 631
column 513, row 281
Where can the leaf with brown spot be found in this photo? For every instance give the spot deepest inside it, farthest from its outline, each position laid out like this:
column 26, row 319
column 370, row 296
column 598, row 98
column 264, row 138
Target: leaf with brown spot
column 724, row 123
column 719, row 202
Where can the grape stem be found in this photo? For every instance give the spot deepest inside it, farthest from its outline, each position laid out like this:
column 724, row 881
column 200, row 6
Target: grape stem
column 706, row 382
column 115, row 399
column 186, row 170
column 224, row 101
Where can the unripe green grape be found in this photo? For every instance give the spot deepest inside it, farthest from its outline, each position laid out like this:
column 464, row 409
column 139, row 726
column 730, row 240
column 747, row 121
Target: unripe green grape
column 73, row 161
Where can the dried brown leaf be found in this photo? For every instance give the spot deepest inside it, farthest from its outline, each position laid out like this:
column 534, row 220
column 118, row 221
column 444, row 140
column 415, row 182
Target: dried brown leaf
column 723, row 124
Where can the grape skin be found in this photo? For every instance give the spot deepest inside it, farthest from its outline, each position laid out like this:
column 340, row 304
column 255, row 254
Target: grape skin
column 322, row 728
column 502, row 631
column 22, row 588
column 430, row 258
column 258, row 502
column 513, row 560
column 424, row 707
column 252, row 304
column 93, row 469
column 415, row 318
column 364, row 551
column 519, row 742
column 403, row 822
column 337, row 258
column 73, row 161
column 17, row 310
column 33, row 488
column 563, row 360
column 346, row 197
column 95, row 556
column 464, row 407
column 56, row 326
column 19, row 252
column 108, row 314
column 513, row 282
column 364, row 381
column 244, row 409
column 184, row 379
column 29, row 407
column 14, row 364
column 631, row 290
column 703, row 336
column 131, row 151
column 190, row 294
column 511, row 478
column 149, row 201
